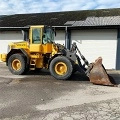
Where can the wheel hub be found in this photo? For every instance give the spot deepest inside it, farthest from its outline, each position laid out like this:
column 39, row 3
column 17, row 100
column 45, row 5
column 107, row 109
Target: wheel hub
column 60, row 68
column 16, row 64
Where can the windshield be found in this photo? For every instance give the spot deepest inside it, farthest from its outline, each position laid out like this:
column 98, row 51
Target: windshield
column 48, row 36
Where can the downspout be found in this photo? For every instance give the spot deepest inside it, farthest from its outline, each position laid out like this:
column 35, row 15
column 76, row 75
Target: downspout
column 67, row 38
column 118, row 50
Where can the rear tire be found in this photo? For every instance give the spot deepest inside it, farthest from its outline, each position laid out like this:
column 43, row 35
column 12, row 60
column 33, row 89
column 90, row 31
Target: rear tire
column 17, row 64
column 61, row 68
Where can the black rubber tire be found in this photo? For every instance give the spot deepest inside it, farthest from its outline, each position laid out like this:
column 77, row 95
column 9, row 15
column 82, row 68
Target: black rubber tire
column 21, row 58
column 67, row 62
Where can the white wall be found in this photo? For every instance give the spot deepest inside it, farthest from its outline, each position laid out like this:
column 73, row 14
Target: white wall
column 95, row 43
column 9, row 36
column 92, row 43
column 60, row 37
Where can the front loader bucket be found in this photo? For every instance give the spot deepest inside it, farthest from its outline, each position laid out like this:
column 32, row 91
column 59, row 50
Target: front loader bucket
column 98, row 74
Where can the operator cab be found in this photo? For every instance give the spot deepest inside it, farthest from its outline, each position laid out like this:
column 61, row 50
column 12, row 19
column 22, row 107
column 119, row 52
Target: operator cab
column 41, row 39
column 42, row 35
column 39, row 35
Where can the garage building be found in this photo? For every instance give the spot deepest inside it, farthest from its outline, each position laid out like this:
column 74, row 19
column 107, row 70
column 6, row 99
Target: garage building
column 96, row 32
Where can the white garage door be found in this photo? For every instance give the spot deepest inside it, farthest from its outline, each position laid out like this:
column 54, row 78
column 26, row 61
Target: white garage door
column 7, row 37
column 95, row 43
column 60, row 37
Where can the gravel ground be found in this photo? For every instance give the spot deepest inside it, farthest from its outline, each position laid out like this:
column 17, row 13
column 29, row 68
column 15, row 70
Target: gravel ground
column 38, row 96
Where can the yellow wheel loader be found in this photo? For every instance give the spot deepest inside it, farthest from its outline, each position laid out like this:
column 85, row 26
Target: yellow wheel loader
column 39, row 50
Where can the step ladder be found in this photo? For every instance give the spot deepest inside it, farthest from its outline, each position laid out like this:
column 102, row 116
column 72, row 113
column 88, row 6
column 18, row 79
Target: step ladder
column 32, row 64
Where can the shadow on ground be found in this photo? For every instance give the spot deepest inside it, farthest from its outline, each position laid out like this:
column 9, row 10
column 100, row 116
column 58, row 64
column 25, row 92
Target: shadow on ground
column 75, row 77
column 114, row 77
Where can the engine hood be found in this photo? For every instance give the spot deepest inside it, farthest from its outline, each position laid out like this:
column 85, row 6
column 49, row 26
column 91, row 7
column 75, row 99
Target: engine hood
column 16, row 45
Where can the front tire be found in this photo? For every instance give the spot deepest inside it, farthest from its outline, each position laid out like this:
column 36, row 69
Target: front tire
column 17, row 64
column 61, row 68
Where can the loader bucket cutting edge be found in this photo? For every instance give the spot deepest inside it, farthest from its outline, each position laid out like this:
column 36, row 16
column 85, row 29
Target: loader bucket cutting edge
column 98, row 74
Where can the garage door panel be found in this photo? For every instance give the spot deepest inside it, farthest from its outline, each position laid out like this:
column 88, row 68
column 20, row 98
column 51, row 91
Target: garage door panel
column 4, row 45
column 92, row 47
column 11, row 35
column 60, row 37
column 102, row 34
column 8, row 37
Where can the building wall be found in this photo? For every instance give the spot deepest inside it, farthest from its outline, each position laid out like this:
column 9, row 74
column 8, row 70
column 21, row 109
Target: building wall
column 9, row 36
column 92, row 43
column 95, row 43
column 60, row 37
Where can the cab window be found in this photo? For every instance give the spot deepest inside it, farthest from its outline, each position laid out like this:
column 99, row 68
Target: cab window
column 48, row 36
column 36, row 35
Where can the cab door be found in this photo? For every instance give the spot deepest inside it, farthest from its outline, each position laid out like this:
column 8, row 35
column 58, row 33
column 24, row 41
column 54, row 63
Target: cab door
column 35, row 39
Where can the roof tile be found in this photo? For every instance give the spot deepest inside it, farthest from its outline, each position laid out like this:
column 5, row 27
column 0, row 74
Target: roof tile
column 82, row 18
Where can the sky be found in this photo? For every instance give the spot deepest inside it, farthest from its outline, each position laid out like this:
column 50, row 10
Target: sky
column 9, row 7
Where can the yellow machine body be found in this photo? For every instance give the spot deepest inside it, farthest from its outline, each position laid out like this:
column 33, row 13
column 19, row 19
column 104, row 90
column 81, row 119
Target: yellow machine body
column 33, row 47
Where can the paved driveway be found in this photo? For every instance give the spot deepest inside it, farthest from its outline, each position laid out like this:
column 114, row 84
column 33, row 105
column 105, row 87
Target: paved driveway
column 40, row 97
